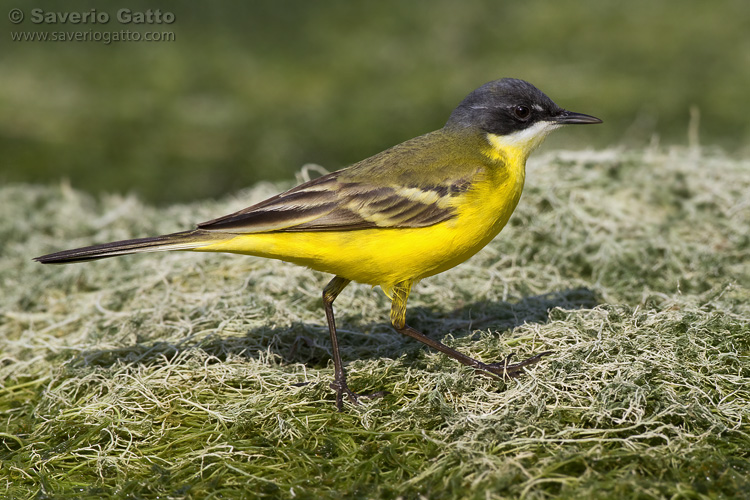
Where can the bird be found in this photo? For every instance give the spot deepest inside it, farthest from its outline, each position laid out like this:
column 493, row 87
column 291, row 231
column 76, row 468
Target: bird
column 407, row 213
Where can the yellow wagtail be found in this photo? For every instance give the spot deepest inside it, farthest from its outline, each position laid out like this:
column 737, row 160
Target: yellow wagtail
column 412, row 211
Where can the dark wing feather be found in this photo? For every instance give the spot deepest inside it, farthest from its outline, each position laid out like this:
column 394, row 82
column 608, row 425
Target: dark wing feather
column 330, row 204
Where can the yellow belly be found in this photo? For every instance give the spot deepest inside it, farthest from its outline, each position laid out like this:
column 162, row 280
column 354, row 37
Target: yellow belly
column 374, row 256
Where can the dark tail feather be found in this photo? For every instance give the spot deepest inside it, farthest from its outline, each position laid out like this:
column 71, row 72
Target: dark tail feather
column 176, row 241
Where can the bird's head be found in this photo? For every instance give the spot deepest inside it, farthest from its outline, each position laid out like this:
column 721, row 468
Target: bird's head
column 513, row 114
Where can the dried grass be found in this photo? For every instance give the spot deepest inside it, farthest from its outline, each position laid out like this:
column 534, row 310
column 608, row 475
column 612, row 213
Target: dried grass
column 179, row 375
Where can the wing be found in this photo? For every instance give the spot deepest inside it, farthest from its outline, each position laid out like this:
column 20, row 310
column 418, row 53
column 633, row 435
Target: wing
column 329, row 203
column 379, row 191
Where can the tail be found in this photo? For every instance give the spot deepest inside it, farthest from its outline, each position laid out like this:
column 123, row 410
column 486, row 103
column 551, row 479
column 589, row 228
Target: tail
column 177, row 241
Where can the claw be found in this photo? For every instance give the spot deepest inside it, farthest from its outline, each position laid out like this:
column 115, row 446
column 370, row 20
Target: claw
column 342, row 389
column 507, row 370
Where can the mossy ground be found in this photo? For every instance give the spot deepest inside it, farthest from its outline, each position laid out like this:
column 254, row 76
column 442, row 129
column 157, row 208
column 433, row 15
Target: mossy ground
column 181, row 375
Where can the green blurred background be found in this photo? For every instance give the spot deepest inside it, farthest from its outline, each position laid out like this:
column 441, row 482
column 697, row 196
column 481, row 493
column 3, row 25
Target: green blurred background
column 252, row 91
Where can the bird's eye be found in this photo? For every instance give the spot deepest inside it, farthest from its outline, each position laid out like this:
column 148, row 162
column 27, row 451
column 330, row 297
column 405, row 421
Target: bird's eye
column 522, row 112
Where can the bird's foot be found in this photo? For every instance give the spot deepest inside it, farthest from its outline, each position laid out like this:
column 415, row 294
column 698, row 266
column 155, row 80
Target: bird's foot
column 505, row 369
column 342, row 389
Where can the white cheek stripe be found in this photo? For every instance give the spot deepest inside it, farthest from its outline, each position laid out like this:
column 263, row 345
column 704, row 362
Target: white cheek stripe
column 527, row 138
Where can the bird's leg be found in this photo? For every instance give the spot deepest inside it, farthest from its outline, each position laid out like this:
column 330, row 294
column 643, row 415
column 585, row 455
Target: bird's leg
column 330, row 292
column 502, row 369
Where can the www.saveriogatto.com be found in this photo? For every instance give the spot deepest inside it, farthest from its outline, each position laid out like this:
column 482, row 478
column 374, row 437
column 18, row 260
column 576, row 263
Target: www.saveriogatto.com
column 103, row 27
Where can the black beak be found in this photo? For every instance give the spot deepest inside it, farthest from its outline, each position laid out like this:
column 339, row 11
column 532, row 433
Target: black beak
column 570, row 118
